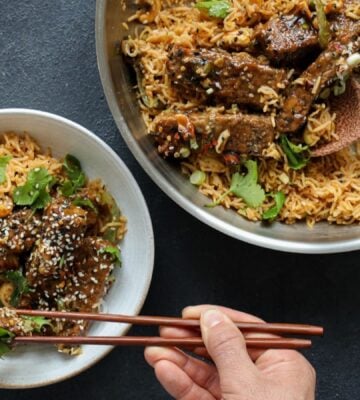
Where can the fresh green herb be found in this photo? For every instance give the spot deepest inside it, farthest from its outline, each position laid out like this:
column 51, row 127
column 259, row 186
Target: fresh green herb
column 20, row 286
column 40, row 177
column 108, row 200
column 215, row 8
column 197, row 178
column 4, row 348
column 325, row 94
column 111, row 233
column 62, row 261
column 184, row 152
column 4, row 160
column 35, row 191
column 67, row 189
column 5, row 341
column 194, row 144
column 274, row 211
column 294, row 153
column 76, row 177
column 114, row 251
column 60, row 305
column 305, row 26
column 324, row 27
column 42, row 201
column 35, row 324
column 72, row 167
column 110, row 279
column 82, row 202
column 245, row 187
column 340, row 87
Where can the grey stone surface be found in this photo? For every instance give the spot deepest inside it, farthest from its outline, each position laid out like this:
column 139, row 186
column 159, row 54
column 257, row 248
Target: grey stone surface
column 48, row 62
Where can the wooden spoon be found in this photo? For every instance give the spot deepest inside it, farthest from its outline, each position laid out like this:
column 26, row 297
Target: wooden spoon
column 347, row 109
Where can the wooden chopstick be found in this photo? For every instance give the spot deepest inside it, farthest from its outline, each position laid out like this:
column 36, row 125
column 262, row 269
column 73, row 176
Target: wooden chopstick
column 274, row 328
column 256, row 343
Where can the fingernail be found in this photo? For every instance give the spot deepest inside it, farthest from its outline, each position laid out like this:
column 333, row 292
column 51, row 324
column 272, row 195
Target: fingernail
column 212, row 318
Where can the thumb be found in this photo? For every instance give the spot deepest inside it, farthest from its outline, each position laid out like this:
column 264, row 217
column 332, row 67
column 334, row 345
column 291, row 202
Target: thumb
column 226, row 346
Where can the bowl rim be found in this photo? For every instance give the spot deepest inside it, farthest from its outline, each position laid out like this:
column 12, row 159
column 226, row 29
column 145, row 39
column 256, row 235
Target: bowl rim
column 166, row 187
column 147, row 220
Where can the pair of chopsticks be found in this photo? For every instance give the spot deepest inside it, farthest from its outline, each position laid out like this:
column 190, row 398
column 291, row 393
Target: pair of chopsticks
column 260, row 343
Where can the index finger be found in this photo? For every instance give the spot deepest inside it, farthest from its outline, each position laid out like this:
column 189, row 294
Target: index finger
column 194, row 312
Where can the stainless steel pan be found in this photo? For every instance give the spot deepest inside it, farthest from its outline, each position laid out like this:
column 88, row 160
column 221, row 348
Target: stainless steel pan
column 115, row 76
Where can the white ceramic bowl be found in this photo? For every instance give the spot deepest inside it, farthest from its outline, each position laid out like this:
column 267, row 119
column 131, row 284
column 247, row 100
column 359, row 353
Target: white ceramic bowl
column 31, row 366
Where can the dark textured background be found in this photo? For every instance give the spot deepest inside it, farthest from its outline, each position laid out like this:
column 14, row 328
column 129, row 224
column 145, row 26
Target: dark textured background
column 48, row 62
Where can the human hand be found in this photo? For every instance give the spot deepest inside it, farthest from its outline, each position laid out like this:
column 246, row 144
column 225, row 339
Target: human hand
column 238, row 373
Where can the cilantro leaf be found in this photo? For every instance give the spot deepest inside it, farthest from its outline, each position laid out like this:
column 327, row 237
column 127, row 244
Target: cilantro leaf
column 4, row 160
column 72, row 167
column 245, row 187
column 274, row 211
column 25, row 195
column 215, row 8
column 35, row 324
column 20, row 286
column 5, row 341
column 4, row 348
column 35, row 191
column 67, row 188
column 114, row 251
column 42, row 200
column 82, row 202
column 39, row 178
column 5, row 334
column 294, row 153
column 75, row 174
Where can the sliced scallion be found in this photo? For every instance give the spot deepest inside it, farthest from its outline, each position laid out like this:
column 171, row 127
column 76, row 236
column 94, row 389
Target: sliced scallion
column 197, row 178
column 184, row 152
column 194, row 144
column 354, row 60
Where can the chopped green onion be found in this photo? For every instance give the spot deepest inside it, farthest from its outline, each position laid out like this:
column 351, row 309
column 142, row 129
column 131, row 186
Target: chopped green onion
column 197, row 178
column 340, row 88
column 194, row 144
column 284, row 178
column 324, row 27
column 35, row 324
column 354, row 60
column 184, row 152
column 325, row 94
